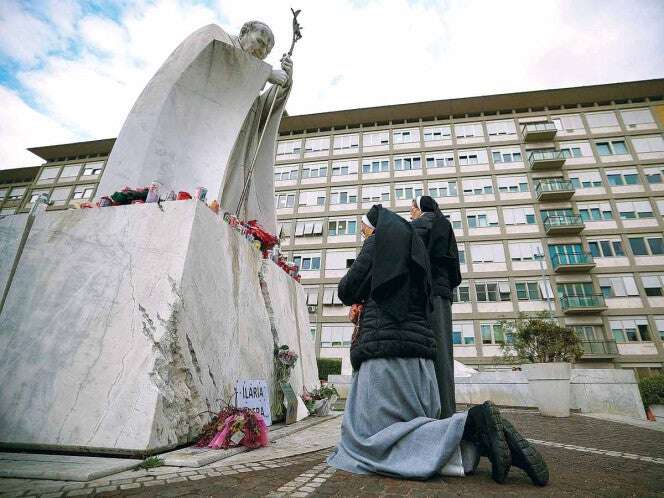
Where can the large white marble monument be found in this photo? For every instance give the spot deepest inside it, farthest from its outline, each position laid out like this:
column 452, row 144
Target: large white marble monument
column 198, row 121
column 122, row 325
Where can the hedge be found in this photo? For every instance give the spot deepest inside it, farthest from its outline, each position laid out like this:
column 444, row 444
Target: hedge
column 652, row 390
column 328, row 366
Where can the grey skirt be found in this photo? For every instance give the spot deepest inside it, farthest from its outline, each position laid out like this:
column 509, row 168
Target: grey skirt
column 390, row 424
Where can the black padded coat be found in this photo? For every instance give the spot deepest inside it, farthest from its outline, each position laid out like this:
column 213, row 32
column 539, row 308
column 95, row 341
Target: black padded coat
column 382, row 336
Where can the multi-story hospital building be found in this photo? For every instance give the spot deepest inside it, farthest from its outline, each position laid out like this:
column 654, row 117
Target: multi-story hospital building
column 556, row 198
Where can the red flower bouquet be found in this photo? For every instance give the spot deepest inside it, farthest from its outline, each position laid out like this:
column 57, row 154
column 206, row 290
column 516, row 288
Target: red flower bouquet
column 235, row 427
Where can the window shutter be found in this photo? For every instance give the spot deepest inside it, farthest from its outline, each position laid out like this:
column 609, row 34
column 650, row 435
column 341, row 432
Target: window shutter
column 508, row 214
column 618, row 286
column 476, row 253
column 571, row 122
column 328, row 295
column 545, row 289
column 498, row 253
column 312, row 296
column 630, row 286
column 642, row 206
column 641, row 144
column 326, row 334
column 637, row 116
column 651, row 281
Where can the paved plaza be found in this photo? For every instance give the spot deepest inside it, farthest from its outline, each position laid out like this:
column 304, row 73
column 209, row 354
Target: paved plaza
column 586, row 457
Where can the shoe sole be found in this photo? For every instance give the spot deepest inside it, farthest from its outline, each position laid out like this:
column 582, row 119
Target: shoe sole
column 525, row 456
column 501, row 467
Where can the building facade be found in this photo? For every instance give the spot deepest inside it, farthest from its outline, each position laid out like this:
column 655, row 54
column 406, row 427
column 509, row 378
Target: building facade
column 556, row 198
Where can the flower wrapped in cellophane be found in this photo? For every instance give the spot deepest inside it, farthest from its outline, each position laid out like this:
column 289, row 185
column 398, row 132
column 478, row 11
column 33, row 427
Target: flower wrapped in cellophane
column 235, row 427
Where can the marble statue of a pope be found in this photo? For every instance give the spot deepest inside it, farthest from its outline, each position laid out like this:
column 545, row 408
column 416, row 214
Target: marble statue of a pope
column 198, row 120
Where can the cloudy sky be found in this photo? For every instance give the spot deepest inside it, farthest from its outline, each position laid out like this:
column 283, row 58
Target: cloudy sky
column 71, row 70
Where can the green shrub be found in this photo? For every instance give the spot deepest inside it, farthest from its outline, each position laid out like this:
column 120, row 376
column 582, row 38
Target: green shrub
column 328, row 366
column 652, row 390
column 536, row 338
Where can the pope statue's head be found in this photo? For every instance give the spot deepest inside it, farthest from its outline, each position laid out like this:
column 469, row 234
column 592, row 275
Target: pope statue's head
column 257, row 39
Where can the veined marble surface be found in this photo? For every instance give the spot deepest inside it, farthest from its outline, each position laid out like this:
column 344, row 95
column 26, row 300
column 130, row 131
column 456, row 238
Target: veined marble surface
column 286, row 308
column 124, row 324
column 11, row 230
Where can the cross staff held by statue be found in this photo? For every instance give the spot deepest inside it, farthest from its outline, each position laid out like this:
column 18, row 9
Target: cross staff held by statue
column 297, row 34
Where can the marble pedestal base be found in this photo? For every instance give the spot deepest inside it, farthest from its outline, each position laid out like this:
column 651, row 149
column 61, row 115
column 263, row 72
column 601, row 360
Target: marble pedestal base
column 124, row 325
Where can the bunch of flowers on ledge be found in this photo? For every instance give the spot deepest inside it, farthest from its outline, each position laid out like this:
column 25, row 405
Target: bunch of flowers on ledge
column 263, row 241
column 319, row 401
column 286, row 357
column 284, row 360
column 234, row 427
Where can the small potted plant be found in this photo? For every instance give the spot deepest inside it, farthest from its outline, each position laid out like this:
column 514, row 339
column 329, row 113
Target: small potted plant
column 319, row 401
column 652, row 394
column 546, row 351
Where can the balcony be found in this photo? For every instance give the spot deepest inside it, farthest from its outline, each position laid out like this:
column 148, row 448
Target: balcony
column 546, row 159
column 538, row 132
column 581, row 305
column 554, row 190
column 599, row 349
column 574, row 262
column 563, row 225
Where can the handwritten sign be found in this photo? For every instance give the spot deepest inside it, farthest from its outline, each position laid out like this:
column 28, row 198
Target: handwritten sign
column 255, row 395
column 290, row 401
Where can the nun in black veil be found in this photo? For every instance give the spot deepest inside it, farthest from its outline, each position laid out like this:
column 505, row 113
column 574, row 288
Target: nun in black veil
column 390, row 425
column 436, row 232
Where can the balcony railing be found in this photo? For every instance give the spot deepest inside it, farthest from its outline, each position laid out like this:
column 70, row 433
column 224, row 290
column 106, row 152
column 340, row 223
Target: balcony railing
column 589, row 303
column 563, row 224
column 576, row 261
column 554, row 189
column 599, row 348
column 544, row 130
column 546, row 159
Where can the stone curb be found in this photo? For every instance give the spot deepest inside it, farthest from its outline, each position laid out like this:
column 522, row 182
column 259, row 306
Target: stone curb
column 198, row 457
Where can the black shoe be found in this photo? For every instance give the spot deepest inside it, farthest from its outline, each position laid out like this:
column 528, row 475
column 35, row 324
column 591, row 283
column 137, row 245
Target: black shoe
column 484, row 427
column 525, row 456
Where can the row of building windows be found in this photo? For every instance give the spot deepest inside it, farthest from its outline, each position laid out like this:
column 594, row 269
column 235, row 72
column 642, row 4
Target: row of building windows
column 534, row 289
column 462, row 133
column 491, row 332
column 346, row 229
column 60, row 196
column 488, row 217
column 447, row 161
column 477, row 189
column 84, row 175
column 521, row 251
column 69, row 172
column 447, row 190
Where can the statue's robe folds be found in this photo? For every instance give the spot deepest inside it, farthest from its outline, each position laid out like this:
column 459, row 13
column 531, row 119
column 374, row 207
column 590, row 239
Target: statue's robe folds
column 197, row 124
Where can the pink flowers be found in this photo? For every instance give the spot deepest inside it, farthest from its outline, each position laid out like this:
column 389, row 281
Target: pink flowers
column 287, row 357
column 235, row 427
